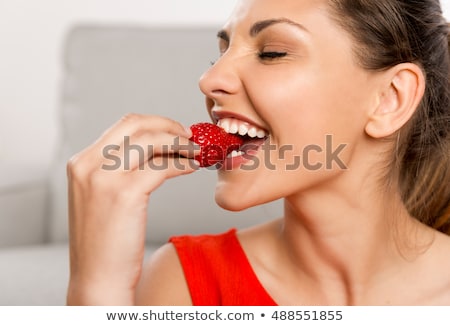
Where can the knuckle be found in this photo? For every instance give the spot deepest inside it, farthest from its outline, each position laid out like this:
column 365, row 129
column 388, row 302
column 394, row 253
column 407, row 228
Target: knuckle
column 76, row 167
column 83, row 175
column 81, row 169
column 131, row 118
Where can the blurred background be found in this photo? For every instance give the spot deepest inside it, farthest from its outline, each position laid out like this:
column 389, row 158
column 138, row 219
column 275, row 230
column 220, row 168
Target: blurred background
column 31, row 38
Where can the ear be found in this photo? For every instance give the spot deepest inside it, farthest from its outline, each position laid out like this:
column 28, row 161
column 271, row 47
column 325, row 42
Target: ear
column 399, row 97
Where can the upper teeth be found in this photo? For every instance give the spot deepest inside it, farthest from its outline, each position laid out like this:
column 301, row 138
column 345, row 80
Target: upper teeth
column 234, row 126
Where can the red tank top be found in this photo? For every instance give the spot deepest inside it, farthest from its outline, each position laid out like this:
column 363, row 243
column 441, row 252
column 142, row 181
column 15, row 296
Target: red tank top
column 218, row 272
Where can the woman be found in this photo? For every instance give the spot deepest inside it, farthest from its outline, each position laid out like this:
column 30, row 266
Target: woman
column 359, row 90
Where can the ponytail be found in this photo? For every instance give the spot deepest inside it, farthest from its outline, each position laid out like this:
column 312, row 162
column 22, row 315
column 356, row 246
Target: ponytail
column 442, row 222
column 425, row 162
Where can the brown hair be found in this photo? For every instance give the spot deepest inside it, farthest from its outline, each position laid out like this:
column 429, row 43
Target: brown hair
column 390, row 32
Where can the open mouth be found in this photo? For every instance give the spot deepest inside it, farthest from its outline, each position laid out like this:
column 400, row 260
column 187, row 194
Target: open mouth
column 253, row 136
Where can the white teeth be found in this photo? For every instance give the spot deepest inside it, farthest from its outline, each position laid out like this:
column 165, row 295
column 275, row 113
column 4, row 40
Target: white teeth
column 225, row 124
column 252, row 132
column 235, row 153
column 243, row 130
column 234, row 126
column 260, row 134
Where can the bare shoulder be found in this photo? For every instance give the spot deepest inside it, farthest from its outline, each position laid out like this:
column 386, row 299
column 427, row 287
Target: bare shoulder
column 162, row 282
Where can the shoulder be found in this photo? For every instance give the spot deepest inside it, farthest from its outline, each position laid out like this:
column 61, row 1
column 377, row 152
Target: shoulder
column 170, row 272
column 162, row 282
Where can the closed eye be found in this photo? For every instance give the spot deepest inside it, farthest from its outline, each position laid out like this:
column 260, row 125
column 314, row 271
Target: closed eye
column 270, row 55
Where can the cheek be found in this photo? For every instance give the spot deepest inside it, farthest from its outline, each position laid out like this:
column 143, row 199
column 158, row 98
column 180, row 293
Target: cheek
column 278, row 95
column 304, row 104
column 294, row 108
column 314, row 120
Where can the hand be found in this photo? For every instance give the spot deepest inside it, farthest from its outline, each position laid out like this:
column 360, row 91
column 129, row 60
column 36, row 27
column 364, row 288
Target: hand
column 108, row 204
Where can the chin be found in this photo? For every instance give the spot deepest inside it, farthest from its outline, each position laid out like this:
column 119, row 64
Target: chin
column 233, row 198
column 232, row 203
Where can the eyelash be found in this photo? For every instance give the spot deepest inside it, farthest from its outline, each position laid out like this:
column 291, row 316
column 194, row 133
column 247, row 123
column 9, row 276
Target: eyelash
column 271, row 55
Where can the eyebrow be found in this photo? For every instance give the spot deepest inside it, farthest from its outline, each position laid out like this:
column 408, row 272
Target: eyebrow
column 263, row 24
column 259, row 26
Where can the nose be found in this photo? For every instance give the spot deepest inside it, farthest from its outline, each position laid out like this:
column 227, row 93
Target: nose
column 221, row 80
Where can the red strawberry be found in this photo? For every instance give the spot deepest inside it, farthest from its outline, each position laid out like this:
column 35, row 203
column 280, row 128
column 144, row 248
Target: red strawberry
column 215, row 143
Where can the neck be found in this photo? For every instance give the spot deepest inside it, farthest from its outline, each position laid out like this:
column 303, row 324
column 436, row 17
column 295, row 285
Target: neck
column 346, row 241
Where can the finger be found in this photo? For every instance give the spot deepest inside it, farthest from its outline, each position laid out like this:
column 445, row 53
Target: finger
column 139, row 149
column 127, row 126
column 133, row 123
column 151, row 175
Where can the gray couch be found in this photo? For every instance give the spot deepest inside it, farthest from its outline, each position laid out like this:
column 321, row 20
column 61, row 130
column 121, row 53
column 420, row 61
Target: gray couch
column 109, row 71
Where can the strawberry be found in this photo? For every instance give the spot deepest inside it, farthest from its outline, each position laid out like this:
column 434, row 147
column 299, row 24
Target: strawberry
column 215, row 143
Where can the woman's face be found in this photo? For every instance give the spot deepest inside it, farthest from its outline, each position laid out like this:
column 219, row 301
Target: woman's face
column 287, row 68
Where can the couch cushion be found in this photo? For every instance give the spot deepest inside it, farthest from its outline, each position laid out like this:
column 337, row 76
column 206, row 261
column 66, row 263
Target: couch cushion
column 37, row 275
column 112, row 70
column 34, row 276
column 23, row 205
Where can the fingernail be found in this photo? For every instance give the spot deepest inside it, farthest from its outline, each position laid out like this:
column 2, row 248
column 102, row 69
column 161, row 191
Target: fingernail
column 188, row 131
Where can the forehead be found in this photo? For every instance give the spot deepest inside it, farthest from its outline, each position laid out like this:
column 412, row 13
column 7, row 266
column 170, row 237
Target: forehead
column 306, row 12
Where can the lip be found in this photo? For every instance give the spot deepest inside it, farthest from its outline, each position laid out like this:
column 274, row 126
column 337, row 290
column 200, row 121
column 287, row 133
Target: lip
column 232, row 163
column 218, row 114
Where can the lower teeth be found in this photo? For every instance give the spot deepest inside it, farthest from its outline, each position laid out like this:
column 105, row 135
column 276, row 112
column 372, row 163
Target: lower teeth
column 235, row 153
